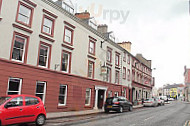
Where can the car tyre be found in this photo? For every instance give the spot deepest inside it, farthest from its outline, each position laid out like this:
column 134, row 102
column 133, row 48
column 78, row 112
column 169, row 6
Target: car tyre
column 120, row 109
column 40, row 120
column 106, row 111
column 130, row 108
column 0, row 122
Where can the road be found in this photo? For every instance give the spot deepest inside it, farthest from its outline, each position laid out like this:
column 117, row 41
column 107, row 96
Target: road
column 173, row 114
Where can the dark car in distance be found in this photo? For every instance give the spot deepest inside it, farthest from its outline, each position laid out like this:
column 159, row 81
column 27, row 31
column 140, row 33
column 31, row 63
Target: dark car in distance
column 118, row 104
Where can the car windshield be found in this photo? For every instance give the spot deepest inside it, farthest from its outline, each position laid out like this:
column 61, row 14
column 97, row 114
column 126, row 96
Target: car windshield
column 149, row 100
column 4, row 99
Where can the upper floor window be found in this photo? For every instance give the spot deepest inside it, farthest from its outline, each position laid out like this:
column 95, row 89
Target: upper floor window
column 92, row 47
column 117, row 77
column 109, row 55
column 124, row 72
column 48, row 25
column 117, row 59
column 66, row 61
column 68, row 35
column 128, row 59
column 128, row 75
column 124, row 57
column 44, row 55
column 90, row 69
column 24, row 14
column 19, row 47
column 108, row 74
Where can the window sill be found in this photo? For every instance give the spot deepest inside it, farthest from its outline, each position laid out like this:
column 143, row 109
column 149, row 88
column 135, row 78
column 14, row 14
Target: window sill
column 22, row 28
column 46, row 38
column 62, row 107
column 92, row 57
column 109, row 64
column 68, row 47
column 117, row 67
column 87, row 106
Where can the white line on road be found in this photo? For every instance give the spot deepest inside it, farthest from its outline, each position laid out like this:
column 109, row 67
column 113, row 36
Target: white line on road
column 132, row 125
column 148, row 118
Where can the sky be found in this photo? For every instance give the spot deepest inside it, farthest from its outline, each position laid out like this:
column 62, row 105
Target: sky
column 159, row 29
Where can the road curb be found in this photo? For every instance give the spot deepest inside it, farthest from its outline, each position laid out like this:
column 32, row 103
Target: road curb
column 80, row 115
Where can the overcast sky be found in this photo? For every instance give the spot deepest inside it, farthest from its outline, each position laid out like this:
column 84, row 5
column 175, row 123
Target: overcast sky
column 159, row 29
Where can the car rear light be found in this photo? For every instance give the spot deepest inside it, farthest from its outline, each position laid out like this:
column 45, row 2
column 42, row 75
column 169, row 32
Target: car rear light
column 116, row 103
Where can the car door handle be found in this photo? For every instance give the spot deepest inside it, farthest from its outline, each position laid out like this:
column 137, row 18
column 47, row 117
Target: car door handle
column 21, row 109
column 38, row 107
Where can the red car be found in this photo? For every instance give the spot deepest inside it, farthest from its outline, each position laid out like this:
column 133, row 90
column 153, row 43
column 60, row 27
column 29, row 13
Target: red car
column 16, row 109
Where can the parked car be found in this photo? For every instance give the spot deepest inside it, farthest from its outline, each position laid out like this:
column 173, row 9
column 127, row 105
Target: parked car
column 118, row 104
column 164, row 98
column 150, row 102
column 17, row 109
column 170, row 99
column 160, row 101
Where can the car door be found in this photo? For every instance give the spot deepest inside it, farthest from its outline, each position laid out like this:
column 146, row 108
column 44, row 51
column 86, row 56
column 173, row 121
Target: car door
column 13, row 111
column 31, row 108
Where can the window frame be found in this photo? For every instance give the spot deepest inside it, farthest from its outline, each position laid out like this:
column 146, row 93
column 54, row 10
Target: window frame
column 44, row 91
column 20, row 85
column 116, row 82
column 25, row 52
column 52, row 28
column 124, row 73
column 109, row 50
column 94, row 47
column 110, row 94
column 109, row 75
column 117, row 62
column 72, row 35
column 92, row 69
column 69, row 62
column 48, row 56
column 128, row 75
column 124, row 57
column 65, row 100
column 31, row 15
column 129, row 59
column 89, row 97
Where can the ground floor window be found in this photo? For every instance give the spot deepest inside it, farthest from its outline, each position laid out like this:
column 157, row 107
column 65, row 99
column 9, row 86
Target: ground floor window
column 109, row 94
column 41, row 90
column 62, row 94
column 14, row 86
column 116, row 94
column 88, row 96
column 124, row 92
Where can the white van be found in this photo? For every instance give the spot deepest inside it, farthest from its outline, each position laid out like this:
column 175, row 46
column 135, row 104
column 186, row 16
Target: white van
column 164, row 98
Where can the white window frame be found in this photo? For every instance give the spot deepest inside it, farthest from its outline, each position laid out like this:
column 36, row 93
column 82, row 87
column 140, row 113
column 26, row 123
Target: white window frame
column 65, row 100
column 68, row 62
column 44, row 92
column 109, row 94
column 116, row 77
column 20, row 85
column 47, row 59
column 117, row 59
column 91, row 47
column 23, row 55
column 108, row 79
column 92, row 71
column 20, row 14
column 50, row 28
column 68, row 36
column 116, row 93
column 89, row 97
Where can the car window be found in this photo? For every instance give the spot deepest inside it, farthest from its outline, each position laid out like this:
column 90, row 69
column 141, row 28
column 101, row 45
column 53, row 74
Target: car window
column 115, row 99
column 4, row 99
column 31, row 101
column 18, row 101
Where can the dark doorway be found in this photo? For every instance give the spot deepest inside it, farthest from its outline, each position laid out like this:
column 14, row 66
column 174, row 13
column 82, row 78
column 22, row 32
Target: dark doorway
column 100, row 99
column 129, row 95
column 146, row 94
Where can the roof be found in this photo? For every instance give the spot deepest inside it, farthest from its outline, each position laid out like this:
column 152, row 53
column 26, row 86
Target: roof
column 173, row 86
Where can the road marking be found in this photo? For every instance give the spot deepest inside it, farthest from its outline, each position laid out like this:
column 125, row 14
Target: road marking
column 148, row 118
column 132, row 125
column 57, row 124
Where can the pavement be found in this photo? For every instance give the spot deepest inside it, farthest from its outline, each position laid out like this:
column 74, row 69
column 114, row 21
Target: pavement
column 56, row 115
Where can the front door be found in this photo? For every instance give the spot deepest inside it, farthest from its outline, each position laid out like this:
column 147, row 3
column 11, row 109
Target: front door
column 100, row 99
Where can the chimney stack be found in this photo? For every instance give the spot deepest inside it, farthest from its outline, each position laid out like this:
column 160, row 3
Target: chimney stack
column 83, row 15
column 126, row 45
column 103, row 28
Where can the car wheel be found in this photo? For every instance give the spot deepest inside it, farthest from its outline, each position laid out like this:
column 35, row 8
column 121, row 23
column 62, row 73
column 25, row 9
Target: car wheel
column 0, row 122
column 40, row 120
column 106, row 111
column 130, row 108
column 120, row 109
